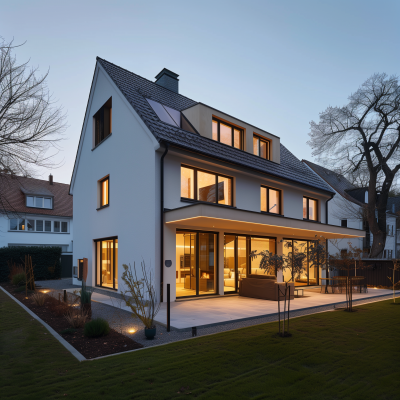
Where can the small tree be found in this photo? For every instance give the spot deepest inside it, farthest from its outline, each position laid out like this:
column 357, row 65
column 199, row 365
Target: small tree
column 294, row 260
column 396, row 267
column 348, row 261
column 270, row 262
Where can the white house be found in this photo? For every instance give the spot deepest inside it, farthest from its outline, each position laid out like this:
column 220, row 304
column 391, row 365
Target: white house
column 345, row 210
column 188, row 188
column 36, row 212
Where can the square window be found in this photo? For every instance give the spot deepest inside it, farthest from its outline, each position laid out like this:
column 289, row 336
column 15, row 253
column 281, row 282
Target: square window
column 270, row 200
column 47, row 226
column 21, row 224
column 30, row 223
column 56, row 226
column 64, row 226
column 39, row 225
column 47, row 202
column 13, row 224
column 39, row 202
column 30, row 201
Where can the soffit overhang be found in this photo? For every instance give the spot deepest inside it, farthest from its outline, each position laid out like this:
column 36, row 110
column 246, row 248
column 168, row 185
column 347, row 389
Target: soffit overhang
column 209, row 217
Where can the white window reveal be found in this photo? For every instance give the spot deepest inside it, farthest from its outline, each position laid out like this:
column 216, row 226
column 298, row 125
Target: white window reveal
column 39, row 202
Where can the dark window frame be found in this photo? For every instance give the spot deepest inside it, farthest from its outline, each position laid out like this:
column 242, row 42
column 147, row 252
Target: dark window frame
column 343, row 223
column 107, row 178
column 195, row 199
column 308, row 209
column 261, row 139
column 101, row 133
column 280, row 200
column 241, row 130
column 113, row 238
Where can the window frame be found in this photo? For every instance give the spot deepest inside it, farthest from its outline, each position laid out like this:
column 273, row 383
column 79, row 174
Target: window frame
column 97, row 136
column 280, row 200
column 95, row 241
column 262, row 139
column 343, row 223
column 195, row 186
column 308, row 209
column 41, row 221
column 107, row 178
column 241, row 130
column 43, row 199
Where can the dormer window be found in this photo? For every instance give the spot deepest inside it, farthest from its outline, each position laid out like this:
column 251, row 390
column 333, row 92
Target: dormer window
column 261, row 147
column 103, row 122
column 227, row 134
column 39, row 202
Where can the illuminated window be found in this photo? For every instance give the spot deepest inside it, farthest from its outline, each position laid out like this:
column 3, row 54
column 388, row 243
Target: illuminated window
column 205, row 186
column 310, row 209
column 227, row 134
column 103, row 122
column 107, row 263
column 270, row 200
column 261, row 147
column 104, row 192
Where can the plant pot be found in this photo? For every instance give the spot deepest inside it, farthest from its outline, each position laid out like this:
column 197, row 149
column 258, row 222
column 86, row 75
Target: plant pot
column 150, row 332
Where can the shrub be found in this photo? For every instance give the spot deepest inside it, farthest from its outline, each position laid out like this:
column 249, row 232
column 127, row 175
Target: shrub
column 39, row 298
column 14, row 269
column 58, row 308
column 75, row 318
column 42, row 259
column 19, row 279
column 96, row 328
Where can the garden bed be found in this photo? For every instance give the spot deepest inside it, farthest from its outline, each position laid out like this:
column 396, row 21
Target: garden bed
column 112, row 343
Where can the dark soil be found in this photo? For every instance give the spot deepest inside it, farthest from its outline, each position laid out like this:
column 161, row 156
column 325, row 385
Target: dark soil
column 113, row 343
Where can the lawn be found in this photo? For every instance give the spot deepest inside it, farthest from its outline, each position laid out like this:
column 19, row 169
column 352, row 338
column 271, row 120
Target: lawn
column 334, row 355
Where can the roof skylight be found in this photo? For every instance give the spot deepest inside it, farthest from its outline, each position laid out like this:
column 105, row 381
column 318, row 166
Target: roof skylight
column 166, row 114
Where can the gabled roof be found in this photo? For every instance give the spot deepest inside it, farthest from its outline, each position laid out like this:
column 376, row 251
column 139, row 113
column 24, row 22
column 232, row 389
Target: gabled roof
column 136, row 89
column 336, row 181
column 14, row 189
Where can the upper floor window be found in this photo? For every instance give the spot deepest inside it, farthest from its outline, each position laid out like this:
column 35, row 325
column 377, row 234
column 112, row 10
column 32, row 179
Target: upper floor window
column 104, row 192
column 39, row 202
column 205, row 186
column 228, row 134
column 310, row 209
column 343, row 223
column 103, row 122
column 270, row 200
column 261, row 147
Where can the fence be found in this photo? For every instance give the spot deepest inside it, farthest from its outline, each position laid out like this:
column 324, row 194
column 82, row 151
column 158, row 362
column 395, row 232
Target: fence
column 376, row 272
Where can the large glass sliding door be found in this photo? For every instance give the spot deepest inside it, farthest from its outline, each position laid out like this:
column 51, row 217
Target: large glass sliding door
column 298, row 268
column 237, row 261
column 107, row 263
column 196, row 256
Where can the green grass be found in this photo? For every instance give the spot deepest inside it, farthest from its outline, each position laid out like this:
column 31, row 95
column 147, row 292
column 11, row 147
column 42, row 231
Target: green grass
column 333, row 355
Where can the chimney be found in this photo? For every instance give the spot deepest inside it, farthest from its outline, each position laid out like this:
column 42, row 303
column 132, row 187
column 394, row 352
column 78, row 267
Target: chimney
column 51, row 179
column 168, row 79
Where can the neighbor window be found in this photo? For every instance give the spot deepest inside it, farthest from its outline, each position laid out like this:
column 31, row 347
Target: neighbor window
column 32, row 225
column 227, row 134
column 270, row 200
column 205, row 186
column 310, row 209
column 343, row 223
column 261, row 147
column 104, row 192
column 39, row 202
column 103, row 122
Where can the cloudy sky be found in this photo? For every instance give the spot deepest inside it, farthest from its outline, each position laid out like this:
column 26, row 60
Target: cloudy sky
column 275, row 64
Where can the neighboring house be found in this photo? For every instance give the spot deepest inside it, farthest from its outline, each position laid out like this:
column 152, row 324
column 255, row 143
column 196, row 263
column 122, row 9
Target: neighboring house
column 36, row 212
column 186, row 188
column 345, row 210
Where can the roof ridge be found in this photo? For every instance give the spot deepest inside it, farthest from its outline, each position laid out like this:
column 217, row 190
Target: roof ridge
column 142, row 77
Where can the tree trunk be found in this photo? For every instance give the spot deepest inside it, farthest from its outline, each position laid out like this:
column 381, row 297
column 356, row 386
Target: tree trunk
column 378, row 244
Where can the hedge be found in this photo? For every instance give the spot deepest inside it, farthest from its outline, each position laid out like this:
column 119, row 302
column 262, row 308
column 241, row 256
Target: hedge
column 43, row 258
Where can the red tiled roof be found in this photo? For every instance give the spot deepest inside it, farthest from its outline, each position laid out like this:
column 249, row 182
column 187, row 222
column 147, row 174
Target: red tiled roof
column 13, row 190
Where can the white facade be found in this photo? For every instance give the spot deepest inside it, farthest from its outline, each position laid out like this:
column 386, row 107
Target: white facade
column 25, row 237
column 131, row 159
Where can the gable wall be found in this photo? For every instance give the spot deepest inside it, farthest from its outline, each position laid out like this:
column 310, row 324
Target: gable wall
column 128, row 156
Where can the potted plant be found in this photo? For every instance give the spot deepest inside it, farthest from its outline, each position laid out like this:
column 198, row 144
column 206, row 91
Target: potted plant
column 141, row 297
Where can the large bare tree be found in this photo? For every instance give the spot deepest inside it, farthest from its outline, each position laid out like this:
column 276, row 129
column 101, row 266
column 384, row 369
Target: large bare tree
column 364, row 135
column 30, row 123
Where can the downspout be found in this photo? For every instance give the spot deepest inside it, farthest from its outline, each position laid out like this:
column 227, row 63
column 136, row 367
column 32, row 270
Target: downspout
column 326, row 209
column 162, row 224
